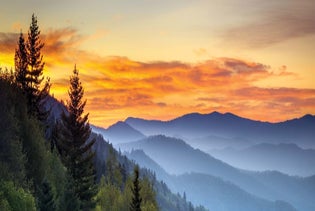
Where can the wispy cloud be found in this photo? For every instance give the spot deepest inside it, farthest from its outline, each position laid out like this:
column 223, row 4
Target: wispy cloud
column 280, row 21
column 60, row 45
column 8, row 42
column 59, row 41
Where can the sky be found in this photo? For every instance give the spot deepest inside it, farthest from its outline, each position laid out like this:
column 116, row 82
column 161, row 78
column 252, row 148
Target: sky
column 162, row 59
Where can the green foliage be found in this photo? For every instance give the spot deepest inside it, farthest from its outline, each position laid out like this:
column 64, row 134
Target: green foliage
column 113, row 170
column 35, row 150
column 24, row 158
column 23, row 152
column 4, row 204
column 15, row 199
column 69, row 200
column 148, row 195
column 56, row 176
column 109, row 197
column 12, row 158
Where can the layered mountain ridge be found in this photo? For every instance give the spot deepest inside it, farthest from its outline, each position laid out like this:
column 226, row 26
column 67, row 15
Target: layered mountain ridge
column 190, row 149
column 183, row 162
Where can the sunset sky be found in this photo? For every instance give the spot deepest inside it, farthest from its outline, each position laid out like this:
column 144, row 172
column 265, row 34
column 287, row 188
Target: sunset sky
column 161, row 59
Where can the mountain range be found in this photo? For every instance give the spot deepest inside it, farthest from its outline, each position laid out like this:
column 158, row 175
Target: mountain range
column 213, row 192
column 165, row 198
column 202, row 127
column 119, row 132
column 199, row 171
column 218, row 155
column 248, row 144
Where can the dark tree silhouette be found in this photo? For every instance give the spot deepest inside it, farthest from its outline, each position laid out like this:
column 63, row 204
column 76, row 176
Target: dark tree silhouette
column 35, row 58
column 136, row 199
column 21, row 62
column 36, row 91
column 75, row 147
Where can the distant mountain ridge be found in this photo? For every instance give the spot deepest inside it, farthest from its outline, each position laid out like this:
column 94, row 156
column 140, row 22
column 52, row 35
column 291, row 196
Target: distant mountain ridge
column 119, row 132
column 213, row 192
column 190, row 127
column 172, row 147
column 176, row 157
column 227, row 136
column 287, row 158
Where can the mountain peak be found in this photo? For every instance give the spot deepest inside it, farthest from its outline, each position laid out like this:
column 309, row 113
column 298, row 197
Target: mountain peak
column 308, row 117
column 131, row 118
column 119, row 124
column 123, row 127
column 215, row 113
column 119, row 132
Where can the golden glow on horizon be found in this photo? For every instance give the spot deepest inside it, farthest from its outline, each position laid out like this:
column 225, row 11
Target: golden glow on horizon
column 180, row 56
column 117, row 88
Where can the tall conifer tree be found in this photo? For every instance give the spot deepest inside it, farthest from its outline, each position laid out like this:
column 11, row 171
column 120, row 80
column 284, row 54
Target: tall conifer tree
column 35, row 58
column 136, row 199
column 21, row 62
column 36, row 90
column 75, row 147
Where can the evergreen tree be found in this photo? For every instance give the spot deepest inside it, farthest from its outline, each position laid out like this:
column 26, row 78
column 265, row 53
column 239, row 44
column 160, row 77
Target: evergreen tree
column 136, row 199
column 21, row 62
column 148, row 195
column 75, row 147
column 24, row 159
column 36, row 91
column 46, row 197
column 69, row 199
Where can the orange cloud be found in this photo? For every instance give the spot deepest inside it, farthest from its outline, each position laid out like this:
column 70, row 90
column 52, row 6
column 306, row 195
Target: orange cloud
column 122, row 87
column 8, row 42
column 117, row 87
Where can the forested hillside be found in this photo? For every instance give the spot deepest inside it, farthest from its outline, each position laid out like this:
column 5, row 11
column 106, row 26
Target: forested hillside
column 157, row 105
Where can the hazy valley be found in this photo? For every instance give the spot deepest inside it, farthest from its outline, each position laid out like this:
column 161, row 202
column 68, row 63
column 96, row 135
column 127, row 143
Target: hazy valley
column 223, row 161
